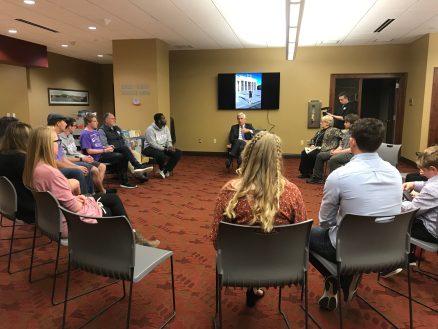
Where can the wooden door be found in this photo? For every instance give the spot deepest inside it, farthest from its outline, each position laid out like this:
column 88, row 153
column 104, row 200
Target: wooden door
column 433, row 124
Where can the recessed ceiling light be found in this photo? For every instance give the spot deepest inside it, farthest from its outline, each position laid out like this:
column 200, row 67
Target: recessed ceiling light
column 64, row 46
column 29, row 2
column 100, row 56
column 92, row 28
column 13, row 31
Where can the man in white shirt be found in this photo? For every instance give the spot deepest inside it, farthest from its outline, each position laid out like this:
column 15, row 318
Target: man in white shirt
column 366, row 185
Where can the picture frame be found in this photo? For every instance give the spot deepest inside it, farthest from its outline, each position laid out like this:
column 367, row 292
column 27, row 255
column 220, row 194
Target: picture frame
column 58, row 96
column 313, row 114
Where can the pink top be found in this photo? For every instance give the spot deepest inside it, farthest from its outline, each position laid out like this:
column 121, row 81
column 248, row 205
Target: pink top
column 47, row 178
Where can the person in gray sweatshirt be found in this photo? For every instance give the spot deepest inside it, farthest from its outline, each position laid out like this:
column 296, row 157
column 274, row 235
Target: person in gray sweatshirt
column 158, row 145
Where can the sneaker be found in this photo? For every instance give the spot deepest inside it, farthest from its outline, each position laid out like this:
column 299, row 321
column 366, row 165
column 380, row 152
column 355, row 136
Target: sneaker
column 252, row 297
column 412, row 259
column 128, row 185
column 350, row 288
column 329, row 300
column 162, row 174
column 167, row 173
column 142, row 178
column 147, row 167
column 314, row 181
column 139, row 170
column 391, row 273
column 111, row 191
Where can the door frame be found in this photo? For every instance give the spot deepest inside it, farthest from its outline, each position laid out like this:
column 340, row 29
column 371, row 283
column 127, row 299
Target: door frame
column 433, row 128
column 399, row 97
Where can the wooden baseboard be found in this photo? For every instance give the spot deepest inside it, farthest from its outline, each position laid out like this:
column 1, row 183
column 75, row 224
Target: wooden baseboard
column 223, row 154
column 409, row 162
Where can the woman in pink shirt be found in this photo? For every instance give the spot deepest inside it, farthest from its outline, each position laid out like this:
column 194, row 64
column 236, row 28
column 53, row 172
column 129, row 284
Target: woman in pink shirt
column 41, row 174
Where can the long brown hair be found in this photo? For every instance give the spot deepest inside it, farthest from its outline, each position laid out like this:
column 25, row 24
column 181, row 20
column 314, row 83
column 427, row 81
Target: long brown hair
column 16, row 138
column 261, row 180
column 40, row 149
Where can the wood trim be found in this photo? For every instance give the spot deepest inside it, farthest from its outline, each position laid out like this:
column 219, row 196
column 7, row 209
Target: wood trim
column 433, row 126
column 223, row 154
column 400, row 95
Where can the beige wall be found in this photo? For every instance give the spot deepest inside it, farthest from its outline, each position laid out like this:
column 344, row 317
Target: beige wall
column 413, row 117
column 13, row 91
column 106, row 88
column 141, row 71
column 66, row 73
column 193, row 88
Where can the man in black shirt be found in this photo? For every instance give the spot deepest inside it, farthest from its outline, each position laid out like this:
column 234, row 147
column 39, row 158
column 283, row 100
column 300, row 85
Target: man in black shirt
column 347, row 107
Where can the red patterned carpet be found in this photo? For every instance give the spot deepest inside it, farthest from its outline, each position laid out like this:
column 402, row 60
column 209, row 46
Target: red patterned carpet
column 178, row 212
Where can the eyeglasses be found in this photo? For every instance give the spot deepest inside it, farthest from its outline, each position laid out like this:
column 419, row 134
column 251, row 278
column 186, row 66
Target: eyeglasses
column 57, row 141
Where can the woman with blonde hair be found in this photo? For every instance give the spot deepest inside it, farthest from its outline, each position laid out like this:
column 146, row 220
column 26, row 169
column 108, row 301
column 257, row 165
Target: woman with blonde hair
column 261, row 195
column 12, row 157
column 325, row 139
column 41, row 174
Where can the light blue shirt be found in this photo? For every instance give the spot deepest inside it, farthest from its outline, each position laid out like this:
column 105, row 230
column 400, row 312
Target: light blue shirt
column 367, row 185
column 427, row 202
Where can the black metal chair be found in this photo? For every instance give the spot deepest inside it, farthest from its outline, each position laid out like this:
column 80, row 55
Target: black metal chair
column 274, row 259
column 8, row 209
column 424, row 245
column 47, row 220
column 108, row 248
column 371, row 244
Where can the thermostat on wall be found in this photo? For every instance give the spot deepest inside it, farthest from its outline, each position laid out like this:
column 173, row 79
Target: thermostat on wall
column 136, row 101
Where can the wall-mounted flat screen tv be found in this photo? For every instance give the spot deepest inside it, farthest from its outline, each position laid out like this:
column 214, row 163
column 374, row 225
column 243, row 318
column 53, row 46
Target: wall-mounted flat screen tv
column 249, row 91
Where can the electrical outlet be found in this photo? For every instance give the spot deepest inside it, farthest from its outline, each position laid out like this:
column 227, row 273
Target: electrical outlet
column 214, row 140
column 199, row 140
column 302, row 142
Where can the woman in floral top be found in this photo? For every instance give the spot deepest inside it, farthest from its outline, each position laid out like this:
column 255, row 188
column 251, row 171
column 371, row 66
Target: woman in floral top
column 261, row 195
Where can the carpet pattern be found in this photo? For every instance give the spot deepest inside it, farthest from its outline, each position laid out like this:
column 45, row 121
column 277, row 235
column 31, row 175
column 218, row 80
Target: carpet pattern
column 178, row 211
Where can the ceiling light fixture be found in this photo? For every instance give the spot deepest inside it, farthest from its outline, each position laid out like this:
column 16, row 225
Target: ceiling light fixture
column 100, row 55
column 29, row 2
column 64, row 46
column 294, row 14
column 13, row 31
column 92, row 28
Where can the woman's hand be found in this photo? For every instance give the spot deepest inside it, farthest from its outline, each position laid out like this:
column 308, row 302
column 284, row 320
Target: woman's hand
column 409, row 186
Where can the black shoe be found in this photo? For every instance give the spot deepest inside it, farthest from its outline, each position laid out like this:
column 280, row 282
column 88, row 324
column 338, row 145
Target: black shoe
column 142, row 178
column 304, row 176
column 128, row 185
column 329, row 300
column 252, row 298
column 111, row 191
column 314, row 181
column 350, row 287
column 228, row 163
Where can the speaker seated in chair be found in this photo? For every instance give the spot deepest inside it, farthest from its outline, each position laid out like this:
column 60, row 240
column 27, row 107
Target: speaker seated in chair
column 239, row 135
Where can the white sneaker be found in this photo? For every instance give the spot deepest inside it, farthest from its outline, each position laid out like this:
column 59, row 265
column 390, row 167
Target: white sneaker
column 389, row 274
column 128, row 185
column 162, row 174
column 167, row 173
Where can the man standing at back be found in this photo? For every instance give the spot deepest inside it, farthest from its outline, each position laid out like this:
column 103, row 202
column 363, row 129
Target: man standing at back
column 346, row 108
column 239, row 135
column 366, row 185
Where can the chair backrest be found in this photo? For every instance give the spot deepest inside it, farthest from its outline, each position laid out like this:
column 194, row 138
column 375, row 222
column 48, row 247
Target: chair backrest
column 373, row 243
column 249, row 257
column 105, row 248
column 8, row 198
column 47, row 214
column 389, row 152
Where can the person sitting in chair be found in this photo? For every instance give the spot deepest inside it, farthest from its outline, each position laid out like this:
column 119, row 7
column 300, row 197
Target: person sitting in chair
column 261, row 195
column 239, row 135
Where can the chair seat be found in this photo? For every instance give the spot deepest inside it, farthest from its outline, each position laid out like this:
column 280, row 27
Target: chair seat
column 429, row 246
column 330, row 266
column 146, row 259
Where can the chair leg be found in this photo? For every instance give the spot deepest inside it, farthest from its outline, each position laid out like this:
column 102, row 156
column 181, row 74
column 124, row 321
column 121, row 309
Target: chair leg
column 279, row 308
column 128, row 317
column 426, row 273
column 32, row 255
column 306, row 300
column 404, row 295
column 339, row 298
column 55, row 274
column 410, row 297
column 67, row 283
column 173, row 314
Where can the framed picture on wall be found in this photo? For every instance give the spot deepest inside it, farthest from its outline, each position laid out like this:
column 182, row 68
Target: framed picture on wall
column 67, row 97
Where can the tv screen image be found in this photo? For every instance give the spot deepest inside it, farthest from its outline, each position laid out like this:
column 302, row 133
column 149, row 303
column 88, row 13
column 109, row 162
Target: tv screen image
column 248, row 90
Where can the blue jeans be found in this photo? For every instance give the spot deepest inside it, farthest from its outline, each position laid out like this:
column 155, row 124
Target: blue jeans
column 320, row 243
column 78, row 175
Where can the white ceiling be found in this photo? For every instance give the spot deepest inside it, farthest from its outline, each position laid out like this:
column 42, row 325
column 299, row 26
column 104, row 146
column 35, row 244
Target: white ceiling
column 212, row 24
